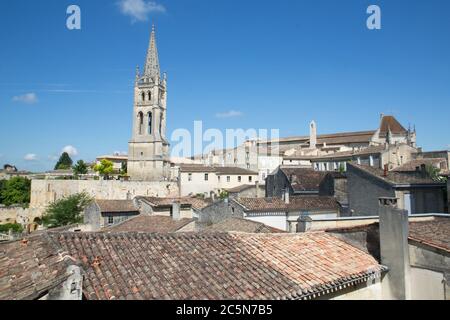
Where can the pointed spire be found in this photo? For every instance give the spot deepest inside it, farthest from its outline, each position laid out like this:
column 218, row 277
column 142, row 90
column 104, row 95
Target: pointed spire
column 152, row 62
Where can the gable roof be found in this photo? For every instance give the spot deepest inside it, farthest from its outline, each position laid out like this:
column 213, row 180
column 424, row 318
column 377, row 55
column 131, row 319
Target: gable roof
column 395, row 178
column 236, row 224
column 215, row 265
column 412, row 165
column 434, row 233
column 296, row 203
column 30, row 267
column 391, row 123
column 116, row 206
column 194, row 202
column 234, row 170
column 303, row 179
column 149, row 224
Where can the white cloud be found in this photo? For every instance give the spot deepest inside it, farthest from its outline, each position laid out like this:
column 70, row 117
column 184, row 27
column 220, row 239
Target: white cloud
column 71, row 150
column 27, row 98
column 139, row 10
column 229, row 114
column 30, row 157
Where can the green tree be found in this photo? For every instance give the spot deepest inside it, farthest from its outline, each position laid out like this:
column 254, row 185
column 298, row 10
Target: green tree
column 66, row 211
column 80, row 168
column 16, row 190
column 15, row 227
column 104, row 168
column 434, row 173
column 123, row 170
column 2, row 186
column 223, row 194
column 341, row 168
column 64, row 162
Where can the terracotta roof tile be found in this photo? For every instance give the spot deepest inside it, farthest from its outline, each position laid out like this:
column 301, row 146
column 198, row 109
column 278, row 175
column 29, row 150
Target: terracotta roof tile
column 30, row 267
column 196, row 203
column 241, row 225
column 297, row 203
column 116, row 205
column 214, row 265
column 435, row 233
column 149, row 224
column 304, row 179
column 393, row 177
column 414, row 164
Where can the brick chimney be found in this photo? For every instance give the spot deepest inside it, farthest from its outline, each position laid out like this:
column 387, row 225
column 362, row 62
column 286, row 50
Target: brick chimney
column 385, row 170
column 394, row 250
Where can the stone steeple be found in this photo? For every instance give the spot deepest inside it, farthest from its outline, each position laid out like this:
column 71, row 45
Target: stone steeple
column 152, row 70
column 148, row 149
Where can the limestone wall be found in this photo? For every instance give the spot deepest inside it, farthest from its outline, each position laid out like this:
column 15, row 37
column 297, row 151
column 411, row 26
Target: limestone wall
column 44, row 192
column 17, row 214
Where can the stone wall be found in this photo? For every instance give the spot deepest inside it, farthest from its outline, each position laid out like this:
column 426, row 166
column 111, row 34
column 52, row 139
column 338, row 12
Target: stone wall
column 364, row 192
column 17, row 214
column 448, row 194
column 44, row 192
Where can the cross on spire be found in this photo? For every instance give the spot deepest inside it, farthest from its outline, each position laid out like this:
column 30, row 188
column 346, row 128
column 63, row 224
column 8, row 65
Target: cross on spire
column 152, row 62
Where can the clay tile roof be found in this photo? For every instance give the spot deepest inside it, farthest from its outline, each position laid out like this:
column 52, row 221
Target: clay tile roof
column 30, row 267
column 116, row 206
column 195, row 203
column 196, row 168
column 215, row 266
column 234, row 170
column 389, row 122
column 413, row 164
column 434, row 233
column 241, row 225
column 304, row 179
column 241, row 188
column 396, row 178
column 149, row 224
column 297, row 203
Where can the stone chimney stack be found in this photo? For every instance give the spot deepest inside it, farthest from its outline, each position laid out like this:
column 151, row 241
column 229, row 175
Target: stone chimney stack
column 286, row 195
column 176, row 215
column 258, row 190
column 394, row 250
column 312, row 135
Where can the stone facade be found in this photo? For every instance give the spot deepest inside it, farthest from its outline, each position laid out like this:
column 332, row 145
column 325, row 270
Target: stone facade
column 44, row 192
column 148, row 150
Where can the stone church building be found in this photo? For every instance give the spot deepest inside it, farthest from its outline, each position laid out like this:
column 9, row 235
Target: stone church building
column 148, row 149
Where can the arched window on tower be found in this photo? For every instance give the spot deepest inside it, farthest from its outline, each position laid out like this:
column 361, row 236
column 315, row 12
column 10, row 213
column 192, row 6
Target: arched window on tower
column 150, row 118
column 141, row 121
column 149, row 96
column 143, row 96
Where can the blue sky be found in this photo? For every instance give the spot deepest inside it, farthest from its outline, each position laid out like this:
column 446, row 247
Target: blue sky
column 267, row 64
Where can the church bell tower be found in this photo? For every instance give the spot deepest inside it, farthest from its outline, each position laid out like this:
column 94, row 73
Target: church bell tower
column 148, row 149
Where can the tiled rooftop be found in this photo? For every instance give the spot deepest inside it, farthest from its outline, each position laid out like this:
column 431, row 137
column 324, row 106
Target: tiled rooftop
column 395, row 178
column 235, row 224
column 30, row 267
column 303, row 179
column 214, row 265
column 297, row 203
column 196, row 203
column 435, row 233
column 116, row 205
column 149, row 224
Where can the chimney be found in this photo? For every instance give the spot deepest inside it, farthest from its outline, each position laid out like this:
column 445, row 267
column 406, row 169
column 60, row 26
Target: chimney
column 385, row 170
column 258, row 190
column 394, row 249
column 213, row 196
column 176, row 211
column 286, row 195
column 312, row 135
column 423, row 170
